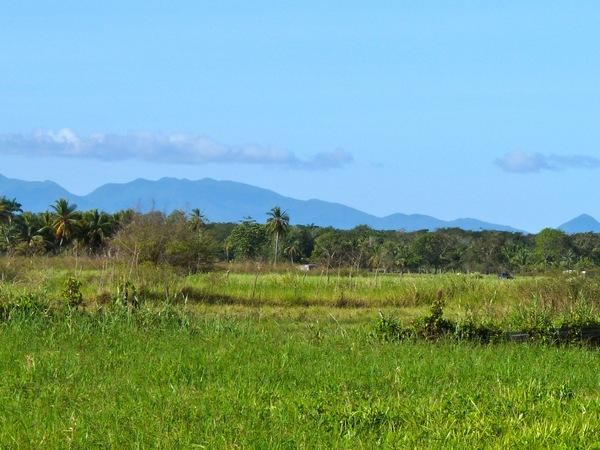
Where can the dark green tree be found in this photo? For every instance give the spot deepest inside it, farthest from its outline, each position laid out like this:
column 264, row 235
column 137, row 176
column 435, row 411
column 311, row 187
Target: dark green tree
column 197, row 220
column 485, row 253
column 278, row 225
column 292, row 249
column 65, row 220
column 429, row 249
column 28, row 233
column 247, row 240
column 300, row 239
column 96, row 228
column 552, row 246
column 8, row 212
column 332, row 248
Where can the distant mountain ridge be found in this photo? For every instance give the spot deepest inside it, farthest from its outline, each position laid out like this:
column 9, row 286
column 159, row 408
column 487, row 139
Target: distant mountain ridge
column 581, row 224
column 226, row 201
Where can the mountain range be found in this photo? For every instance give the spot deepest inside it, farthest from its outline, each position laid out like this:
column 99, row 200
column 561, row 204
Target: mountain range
column 581, row 224
column 228, row 201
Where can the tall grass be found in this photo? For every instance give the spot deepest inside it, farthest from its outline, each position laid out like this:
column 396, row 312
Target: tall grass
column 261, row 360
column 401, row 294
column 146, row 380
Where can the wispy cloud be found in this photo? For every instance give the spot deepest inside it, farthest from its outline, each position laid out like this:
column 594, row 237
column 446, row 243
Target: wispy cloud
column 176, row 149
column 523, row 162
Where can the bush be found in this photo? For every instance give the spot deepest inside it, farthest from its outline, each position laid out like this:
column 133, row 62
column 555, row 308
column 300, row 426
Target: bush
column 389, row 329
column 72, row 292
column 25, row 305
column 160, row 240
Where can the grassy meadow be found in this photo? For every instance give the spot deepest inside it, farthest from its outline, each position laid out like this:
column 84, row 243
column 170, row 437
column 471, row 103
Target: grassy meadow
column 245, row 357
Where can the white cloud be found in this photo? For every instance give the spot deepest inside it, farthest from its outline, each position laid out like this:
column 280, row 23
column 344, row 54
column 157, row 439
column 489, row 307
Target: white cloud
column 176, row 149
column 523, row 162
column 337, row 157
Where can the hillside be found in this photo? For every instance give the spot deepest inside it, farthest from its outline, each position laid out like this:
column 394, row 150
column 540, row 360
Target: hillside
column 581, row 224
column 222, row 201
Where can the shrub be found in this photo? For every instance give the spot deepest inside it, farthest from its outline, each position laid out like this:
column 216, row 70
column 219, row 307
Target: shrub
column 24, row 305
column 389, row 329
column 72, row 292
column 433, row 325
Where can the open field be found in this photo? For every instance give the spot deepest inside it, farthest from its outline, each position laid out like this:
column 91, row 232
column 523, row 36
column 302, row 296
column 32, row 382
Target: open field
column 284, row 361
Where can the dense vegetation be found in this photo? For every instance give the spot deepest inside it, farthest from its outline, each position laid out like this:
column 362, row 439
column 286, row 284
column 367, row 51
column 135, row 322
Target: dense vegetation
column 168, row 331
column 96, row 353
column 189, row 240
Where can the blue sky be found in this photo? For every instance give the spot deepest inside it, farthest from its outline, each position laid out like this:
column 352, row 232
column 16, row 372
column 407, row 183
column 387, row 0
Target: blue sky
column 479, row 109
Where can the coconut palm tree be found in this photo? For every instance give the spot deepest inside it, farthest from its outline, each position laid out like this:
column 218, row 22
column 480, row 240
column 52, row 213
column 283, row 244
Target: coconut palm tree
column 197, row 220
column 8, row 210
column 27, row 227
column 65, row 220
column 278, row 225
column 96, row 227
column 45, row 229
column 292, row 250
column 28, row 234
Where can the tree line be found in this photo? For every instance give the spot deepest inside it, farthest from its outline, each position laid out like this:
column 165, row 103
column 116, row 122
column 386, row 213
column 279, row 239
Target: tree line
column 190, row 240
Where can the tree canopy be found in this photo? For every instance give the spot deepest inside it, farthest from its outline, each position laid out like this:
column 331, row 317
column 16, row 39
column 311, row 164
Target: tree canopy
column 190, row 240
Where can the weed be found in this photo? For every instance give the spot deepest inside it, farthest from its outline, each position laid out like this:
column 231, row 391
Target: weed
column 72, row 292
column 433, row 325
column 25, row 305
column 127, row 296
column 389, row 329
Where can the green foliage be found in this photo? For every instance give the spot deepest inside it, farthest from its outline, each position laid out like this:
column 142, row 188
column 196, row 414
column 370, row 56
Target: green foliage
column 71, row 293
column 534, row 322
column 20, row 306
column 433, row 325
column 430, row 249
column 332, row 248
column 127, row 297
column 66, row 221
column 8, row 213
column 486, row 253
column 298, row 244
column 192, row 243
column 278, row 224
column 160, row 240
column 96, row 228
column 390, row 329
column 484, row 330
column 551, row 246
column 247, row 240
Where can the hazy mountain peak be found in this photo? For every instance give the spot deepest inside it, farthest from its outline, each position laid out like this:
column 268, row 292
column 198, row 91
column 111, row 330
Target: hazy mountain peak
column 223, row 201
column 581, row 224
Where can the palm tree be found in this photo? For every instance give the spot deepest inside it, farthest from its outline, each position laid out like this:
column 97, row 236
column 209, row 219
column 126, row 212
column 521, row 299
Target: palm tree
column 28, row 234
column 27, row 227
column 8, row 210
column 45, row 229
column 96, row 227
column 278, row 225
column 197, row 220
column 65, row 220
column 292, row 250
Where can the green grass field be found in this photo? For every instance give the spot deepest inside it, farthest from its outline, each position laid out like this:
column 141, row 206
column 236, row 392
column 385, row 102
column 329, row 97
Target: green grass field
column 280, row 361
